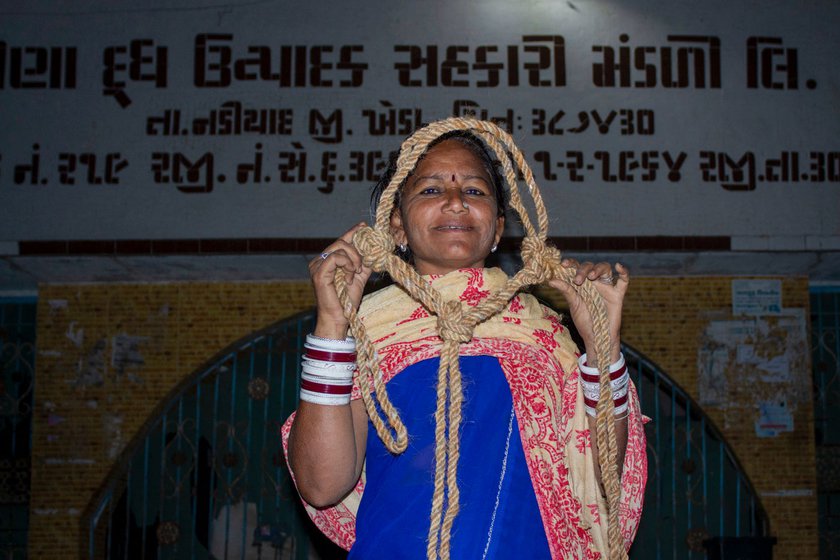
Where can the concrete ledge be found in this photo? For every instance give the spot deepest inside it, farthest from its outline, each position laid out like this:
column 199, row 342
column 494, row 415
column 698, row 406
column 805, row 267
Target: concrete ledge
column 26, row 272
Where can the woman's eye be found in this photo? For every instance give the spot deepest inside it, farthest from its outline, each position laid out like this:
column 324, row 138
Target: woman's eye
column 430, row 190
column 474, row 191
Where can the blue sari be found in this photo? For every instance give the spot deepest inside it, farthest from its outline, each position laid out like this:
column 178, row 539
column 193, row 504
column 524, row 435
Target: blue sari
column 499, row 517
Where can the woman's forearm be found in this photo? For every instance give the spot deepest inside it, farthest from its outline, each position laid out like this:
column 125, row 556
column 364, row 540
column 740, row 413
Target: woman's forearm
column 325, row 453
column 621, row 446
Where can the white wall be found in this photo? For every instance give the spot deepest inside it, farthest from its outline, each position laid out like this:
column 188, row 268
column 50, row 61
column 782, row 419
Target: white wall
column 755, row 138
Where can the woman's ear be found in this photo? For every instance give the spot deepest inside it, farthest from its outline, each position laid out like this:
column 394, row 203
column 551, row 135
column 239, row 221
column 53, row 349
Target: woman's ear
column 500, row 229
column 397, row 229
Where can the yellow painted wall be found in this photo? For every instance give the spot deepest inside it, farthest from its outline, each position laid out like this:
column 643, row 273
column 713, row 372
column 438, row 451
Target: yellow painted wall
column 87, row 408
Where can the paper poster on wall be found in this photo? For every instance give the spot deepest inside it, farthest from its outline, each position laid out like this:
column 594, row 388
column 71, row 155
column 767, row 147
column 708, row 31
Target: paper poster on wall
column 756, row 297
column 755, row 364
column 774, row 418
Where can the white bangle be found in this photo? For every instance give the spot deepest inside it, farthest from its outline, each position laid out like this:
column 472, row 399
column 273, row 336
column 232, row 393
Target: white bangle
column 335, row 375
column 618, row 387
column 327, row 370
column 589, row 370
column 619, row 409
column 318, row 390
column 330, row 344
column 323, row 398
column 331, row 381
column 337, row 367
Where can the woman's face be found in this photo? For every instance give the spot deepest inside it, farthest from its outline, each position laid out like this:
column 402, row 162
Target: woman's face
column 448, row 216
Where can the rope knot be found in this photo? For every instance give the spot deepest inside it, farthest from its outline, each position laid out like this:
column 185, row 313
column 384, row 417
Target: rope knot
column 451, row 323
column 375, row 246
column 537, row 258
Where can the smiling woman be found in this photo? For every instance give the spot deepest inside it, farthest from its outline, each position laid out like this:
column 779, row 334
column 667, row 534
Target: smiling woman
column 450, row 216
column 496, row 441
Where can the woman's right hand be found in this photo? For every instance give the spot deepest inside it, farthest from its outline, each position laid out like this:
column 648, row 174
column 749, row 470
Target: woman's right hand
column 342, row 254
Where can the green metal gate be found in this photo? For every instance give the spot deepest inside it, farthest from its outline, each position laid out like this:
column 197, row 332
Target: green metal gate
column 206, row 476
column 17, row 367
column 825, row 351
column 696, row 489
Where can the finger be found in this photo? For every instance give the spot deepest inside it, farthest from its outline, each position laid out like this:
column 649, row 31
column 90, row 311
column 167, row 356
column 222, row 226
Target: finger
column 349, row 250
column 600, row 270
column 365, row 272
column 323, row 273
column 348, row 235
column 361, row 278
column 569, row 263
column 561, row 285
column 347, row 260
column 568, row 289
column 584, row 271
column 346, row 240
column 340, row 246
column 581, row 269
column 623, row 273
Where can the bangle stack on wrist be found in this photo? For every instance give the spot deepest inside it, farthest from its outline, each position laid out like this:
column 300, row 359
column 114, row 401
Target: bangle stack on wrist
column 619, row 383
column 327, row 370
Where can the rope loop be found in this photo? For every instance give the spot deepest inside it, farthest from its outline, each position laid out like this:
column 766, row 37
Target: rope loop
column 541, row 262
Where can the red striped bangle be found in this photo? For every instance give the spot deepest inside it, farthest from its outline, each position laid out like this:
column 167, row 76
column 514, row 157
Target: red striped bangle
column 595, row 378
column 330, row 356
column 593, row 404
column 325, row 389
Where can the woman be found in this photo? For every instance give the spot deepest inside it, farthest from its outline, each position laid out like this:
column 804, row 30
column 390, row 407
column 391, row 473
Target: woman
column 530, row 486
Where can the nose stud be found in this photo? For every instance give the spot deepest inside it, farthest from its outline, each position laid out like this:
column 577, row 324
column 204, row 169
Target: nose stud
column 466, row 206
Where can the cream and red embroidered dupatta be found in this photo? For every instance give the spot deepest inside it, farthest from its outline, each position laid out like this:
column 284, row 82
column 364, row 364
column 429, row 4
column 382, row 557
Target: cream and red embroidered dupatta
column 539, row 360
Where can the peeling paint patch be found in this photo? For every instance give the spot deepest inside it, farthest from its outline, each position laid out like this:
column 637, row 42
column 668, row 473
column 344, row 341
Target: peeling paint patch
column 68, row 461
column 112, row 426
column 75, row 512
column 126, row 356
column 57, row 304
column 75, row 334
column 791, row 493
column 92, row 368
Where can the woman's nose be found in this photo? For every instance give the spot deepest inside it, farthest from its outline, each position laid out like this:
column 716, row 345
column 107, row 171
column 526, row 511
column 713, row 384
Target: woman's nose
column 455, row 200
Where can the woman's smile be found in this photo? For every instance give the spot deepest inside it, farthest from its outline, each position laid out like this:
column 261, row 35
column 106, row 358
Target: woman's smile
column 453, row 227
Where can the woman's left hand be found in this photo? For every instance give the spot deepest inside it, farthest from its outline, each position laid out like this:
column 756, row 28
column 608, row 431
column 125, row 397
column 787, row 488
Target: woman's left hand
column 612, row 285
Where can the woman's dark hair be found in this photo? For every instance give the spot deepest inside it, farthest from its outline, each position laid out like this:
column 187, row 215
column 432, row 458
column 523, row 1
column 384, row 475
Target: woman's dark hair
column 470, row 141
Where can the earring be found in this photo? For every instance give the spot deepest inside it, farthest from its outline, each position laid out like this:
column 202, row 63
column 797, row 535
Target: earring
column 403, row 248
column 494, row 247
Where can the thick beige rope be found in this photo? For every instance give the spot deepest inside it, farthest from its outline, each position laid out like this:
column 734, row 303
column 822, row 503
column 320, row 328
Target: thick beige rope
column 541, row 262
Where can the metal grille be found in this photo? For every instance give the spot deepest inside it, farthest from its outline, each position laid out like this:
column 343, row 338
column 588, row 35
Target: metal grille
column 696, row 488
column 206, row 478
column 17, row 366
column 825, row 349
